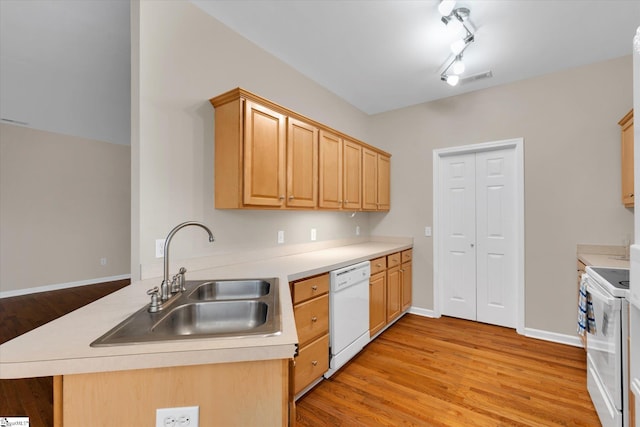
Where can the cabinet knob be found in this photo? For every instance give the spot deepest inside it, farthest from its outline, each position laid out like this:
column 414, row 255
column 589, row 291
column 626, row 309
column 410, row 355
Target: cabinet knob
column 281, row 198
column 314, row 288
column 378, row 265
column 314, row 362
column 291, row 197
column 314, row 319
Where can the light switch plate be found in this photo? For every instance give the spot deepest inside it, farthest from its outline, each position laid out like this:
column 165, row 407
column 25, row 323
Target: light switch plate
column 280, row 236
column 427, row 231
column 313, row 234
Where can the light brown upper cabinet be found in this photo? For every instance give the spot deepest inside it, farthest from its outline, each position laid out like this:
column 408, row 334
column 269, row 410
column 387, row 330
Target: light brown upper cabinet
column 269, row 157
column 302, row 164
column 330, row 171
column 264, row 160
column 340, row 172
column 352, row 175
column 375, row 181
column 626, row 124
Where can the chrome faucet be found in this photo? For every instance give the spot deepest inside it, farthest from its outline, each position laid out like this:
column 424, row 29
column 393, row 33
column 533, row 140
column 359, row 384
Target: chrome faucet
column 169, row 287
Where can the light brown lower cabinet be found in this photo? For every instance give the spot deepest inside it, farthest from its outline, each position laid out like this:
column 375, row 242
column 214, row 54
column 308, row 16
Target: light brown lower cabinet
column 377, row 302
column 394, row 293
column 243, row 393
column 406, row 277
column 310, row 299
column 389, row 289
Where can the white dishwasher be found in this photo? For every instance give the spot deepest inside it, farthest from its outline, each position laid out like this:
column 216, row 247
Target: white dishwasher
column 348, row 313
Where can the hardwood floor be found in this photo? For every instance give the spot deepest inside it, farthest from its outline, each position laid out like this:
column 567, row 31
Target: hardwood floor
column 33, row 397
column 421, row 372
column 452, row 372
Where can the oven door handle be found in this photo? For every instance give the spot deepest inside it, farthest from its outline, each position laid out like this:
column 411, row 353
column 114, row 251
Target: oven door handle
column 595, row 292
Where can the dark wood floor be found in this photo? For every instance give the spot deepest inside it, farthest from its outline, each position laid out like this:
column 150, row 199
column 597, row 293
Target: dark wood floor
column 421, row 372
column 33, row 397
column 452, row 372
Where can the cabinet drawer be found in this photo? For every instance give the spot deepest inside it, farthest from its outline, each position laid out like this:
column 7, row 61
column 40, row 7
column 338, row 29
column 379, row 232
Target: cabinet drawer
column 311, row 363
column 309, row 288
column 393, row 260
column 312, row 318
column 407, row 255
column 378, row 265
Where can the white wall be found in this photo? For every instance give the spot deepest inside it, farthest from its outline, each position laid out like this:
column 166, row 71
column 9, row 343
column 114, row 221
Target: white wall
column 572, row 173
column 65, row 173
column 64, row 205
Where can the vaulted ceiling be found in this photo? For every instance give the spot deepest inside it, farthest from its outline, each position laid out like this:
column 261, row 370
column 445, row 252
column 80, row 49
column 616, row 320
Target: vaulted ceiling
column 380, row 55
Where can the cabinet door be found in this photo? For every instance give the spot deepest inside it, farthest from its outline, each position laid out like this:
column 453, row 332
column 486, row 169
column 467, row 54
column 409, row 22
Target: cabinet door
column 312, row 319
column 312, row 362
column 264, row 151
column 394, row 293
column 627, row 160
column 369, row 179
column 352, row 175
column 330, row 185
column 384, row 182
column 406, row 272
column 377, row 302
column 302, row 164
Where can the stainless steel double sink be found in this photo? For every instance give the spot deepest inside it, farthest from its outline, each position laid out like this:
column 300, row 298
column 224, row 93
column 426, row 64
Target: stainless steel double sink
column 206, row 309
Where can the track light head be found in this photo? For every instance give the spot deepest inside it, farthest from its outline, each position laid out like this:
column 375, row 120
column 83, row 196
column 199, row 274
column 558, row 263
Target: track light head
column 451, row 80
column 458, row 66
column 446, row 6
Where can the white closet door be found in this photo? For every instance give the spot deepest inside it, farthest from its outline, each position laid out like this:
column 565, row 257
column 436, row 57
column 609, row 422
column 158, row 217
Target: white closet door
column 496, row 228
column 458, row 179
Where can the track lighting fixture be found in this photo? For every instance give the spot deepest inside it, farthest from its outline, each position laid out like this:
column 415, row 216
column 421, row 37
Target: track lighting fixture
column 451, row 14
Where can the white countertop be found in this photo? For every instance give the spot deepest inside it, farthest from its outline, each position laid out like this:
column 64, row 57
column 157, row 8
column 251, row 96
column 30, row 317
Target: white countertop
column 61, row 347
column 604, row 260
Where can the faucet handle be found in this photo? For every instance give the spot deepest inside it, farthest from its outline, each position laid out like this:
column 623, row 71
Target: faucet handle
column 154, row 307
column 178, row 280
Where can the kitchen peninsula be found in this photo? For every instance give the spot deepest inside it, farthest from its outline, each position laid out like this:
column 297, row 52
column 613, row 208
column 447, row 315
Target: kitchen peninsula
column 234, row 381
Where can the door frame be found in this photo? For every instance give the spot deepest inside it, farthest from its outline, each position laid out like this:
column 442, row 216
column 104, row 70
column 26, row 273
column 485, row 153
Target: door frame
column 516, row 144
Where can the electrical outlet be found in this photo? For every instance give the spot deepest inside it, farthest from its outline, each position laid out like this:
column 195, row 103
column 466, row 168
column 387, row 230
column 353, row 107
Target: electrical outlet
column 160, row 248
column 313, row 234
column 103, row 261
column 357, row 230
column 178, row 417
column 280, row 236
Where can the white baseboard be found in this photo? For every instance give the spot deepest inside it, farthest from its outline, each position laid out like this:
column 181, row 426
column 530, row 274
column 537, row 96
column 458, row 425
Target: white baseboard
column 573, row 340
column 422, row 312
column 58, row 286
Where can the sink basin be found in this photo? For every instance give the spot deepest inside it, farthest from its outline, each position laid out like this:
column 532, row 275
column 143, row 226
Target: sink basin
column 206, row 309
column 213, row 318
column 231, row 289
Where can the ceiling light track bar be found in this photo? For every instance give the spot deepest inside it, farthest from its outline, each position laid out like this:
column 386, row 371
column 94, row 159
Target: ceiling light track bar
column 450, row 13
